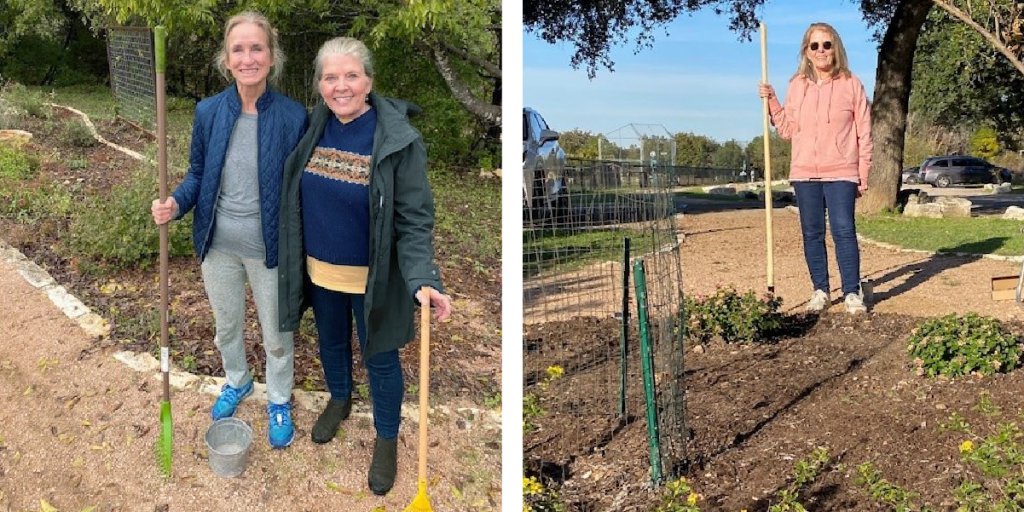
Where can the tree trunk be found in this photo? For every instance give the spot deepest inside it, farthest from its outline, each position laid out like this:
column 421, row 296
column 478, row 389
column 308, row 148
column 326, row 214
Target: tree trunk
column 890, row 106
column 489, row 114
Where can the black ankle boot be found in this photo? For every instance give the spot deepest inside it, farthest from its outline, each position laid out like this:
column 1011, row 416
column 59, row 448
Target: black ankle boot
column 326, row 426
column 383, row 466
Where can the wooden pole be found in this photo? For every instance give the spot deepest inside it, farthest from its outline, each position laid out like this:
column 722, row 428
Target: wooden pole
column 767, row 167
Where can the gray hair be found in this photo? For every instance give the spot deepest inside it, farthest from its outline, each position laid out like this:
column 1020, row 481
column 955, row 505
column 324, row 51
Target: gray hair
column 344, row 46
column 220, row 61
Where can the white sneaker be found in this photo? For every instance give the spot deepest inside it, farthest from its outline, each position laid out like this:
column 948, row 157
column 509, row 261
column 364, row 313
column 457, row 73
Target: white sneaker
column 854, row 304
column 818, row 302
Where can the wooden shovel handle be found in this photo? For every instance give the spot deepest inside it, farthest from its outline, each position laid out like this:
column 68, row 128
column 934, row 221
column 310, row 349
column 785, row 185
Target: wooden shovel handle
column 424, row 381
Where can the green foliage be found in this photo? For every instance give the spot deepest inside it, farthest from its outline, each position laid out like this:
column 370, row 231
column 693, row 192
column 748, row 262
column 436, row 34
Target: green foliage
column 780, row 154
column 32, row 102
column 23, row 196
column 678, row 497
column 728, row 156
column 117, row 230
column 731, row 316
column 995, row 456
column 584, row 145
column 953, row 346
column 531, row 411
column 961, row 81
column 886, row 492
column 985, row 143
column 17, row 165
column 805, row 472
column 78, row 134
column 539, row 498
column 694, row 150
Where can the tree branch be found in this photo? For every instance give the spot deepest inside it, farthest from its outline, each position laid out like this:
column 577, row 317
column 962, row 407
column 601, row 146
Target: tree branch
column 960, row 15
column 489, row 114
column 488, row 66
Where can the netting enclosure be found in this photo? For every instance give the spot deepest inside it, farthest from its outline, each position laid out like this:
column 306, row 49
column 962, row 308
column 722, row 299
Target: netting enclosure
column 586, row 394
column 132, row 74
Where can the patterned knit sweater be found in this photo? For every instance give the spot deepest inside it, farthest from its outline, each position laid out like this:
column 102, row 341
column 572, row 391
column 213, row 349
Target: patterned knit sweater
column 335, row 205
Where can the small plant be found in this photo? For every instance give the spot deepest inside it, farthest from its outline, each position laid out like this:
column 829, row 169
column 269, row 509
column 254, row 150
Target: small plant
column 953, row 346
column 538, row 498
column 17, row 165
column 493, row 402
column 117, row 231
column 33, row 103
column 886, row 492
column 678, row 497
column 804, row 474
column 997, row 458
column 731, row 316
column 188, row 363
column 78, row 134
column 532, row 402
column 78, row 163
column 363, row 390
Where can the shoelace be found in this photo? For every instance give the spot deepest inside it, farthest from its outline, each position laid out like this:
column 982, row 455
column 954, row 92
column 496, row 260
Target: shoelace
column 279, row 413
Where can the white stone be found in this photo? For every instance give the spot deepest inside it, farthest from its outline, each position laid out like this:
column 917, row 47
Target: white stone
column 35, row 276
column 16, row 137
column 953, row 206
column 68, row 304
column 722, row 191
column 930, row 210
column 1014, row 213
column 1004, row 188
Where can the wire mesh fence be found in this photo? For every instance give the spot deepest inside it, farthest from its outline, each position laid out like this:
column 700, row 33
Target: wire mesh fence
column 132, row 74
column 584, row 383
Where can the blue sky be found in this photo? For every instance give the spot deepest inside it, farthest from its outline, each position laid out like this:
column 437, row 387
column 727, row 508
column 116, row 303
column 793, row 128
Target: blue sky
column 699, row 78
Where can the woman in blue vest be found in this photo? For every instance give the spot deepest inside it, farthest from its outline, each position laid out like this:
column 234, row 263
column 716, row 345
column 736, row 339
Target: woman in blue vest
column 240, row 140
column 357, row 219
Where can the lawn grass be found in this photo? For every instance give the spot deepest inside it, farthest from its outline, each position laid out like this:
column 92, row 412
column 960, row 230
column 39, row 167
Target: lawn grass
column 976, row 235
column 556, row 250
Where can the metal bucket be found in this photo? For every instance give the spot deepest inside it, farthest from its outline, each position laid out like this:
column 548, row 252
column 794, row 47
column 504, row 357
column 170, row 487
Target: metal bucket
column 228, row 440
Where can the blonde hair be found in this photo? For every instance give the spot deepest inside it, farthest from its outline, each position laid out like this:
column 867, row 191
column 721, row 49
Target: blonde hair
column 840, row 63
column 276, row 54
column 344, row 46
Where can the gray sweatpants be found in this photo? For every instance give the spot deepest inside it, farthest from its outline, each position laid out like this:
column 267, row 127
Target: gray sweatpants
column 224, row 276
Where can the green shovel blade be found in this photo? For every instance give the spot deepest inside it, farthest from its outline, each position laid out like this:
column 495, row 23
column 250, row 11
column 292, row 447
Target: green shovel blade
column 165, row 444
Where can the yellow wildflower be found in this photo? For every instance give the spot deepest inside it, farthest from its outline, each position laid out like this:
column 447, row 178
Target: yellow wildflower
column 966, row 447
column 555, row 372
column 532, row 486
column 692, row 498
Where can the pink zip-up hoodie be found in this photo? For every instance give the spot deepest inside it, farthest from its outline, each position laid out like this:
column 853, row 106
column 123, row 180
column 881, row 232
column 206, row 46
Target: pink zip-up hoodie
column 830, row 127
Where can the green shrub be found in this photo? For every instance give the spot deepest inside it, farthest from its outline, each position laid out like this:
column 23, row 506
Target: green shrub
column 954, row 346
column 731, row 316
column 16, row 165
column 78, row 134
column 33, row 103
column 117, row 230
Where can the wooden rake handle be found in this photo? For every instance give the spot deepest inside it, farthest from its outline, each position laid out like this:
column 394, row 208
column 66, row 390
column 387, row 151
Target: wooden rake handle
column 424, row 381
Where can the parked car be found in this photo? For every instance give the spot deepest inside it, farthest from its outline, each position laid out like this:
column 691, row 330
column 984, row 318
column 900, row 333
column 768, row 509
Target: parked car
column 912, row 175
column 943, row 171
column 545, row 195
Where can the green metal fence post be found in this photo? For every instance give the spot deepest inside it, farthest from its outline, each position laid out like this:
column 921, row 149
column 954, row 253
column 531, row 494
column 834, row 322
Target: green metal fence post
column 647, row 364
column 624, row 338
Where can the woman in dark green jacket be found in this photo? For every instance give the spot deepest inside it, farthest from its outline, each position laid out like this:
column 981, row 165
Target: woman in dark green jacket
column 356, row 231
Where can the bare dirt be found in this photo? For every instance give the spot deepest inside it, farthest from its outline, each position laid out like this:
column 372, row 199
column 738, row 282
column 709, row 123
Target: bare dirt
column 839, row 381
column 83, row 428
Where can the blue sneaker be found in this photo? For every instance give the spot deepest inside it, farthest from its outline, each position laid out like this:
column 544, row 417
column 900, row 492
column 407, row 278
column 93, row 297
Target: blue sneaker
column 281, row 432
column 228, row 400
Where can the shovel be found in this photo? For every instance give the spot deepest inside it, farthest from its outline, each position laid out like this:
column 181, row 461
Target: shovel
column 767, row 168
column 165, row 443
column 421, row 503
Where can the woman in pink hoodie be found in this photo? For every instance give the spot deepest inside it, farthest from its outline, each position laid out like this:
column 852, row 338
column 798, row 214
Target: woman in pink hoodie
column 827, row 116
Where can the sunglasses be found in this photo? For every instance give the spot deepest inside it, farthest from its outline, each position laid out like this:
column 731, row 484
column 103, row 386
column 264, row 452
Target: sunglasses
column 827, row 45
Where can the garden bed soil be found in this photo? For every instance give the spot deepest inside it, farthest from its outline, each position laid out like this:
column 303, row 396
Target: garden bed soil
column 754, row 410
column 836, row 381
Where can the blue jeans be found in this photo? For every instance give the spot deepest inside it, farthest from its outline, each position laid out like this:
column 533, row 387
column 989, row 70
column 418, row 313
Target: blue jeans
column 334, row 312
column 839, row 197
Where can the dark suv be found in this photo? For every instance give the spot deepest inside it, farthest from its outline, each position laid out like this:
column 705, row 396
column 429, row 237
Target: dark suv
column 943, row 171
column 544, row 191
